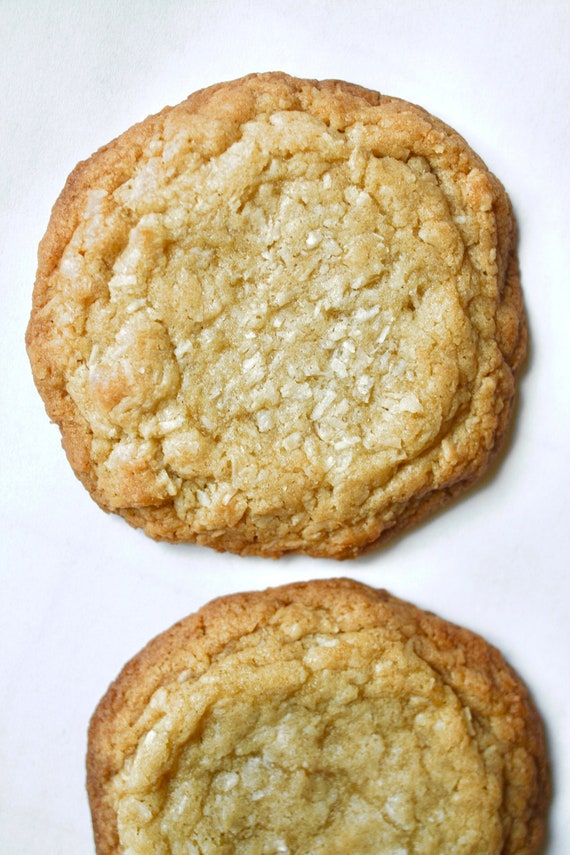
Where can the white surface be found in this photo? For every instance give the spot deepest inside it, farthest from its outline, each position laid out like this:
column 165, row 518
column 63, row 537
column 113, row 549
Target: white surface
column 80, row 591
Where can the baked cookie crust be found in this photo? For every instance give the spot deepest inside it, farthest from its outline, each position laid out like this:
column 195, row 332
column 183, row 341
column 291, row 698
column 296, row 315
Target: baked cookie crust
column 284, row 315
column 325, row 717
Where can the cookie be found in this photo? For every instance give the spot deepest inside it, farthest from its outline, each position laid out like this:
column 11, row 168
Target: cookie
column 325, row 717
column 284, row 315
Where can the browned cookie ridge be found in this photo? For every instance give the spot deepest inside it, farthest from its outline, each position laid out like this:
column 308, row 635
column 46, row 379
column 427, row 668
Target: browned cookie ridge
column 317, row 719
column 284, row 315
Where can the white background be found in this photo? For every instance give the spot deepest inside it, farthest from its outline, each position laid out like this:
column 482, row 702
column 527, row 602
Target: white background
column 81, row 592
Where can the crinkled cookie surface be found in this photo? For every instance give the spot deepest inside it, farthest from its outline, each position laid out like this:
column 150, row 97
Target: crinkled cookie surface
column 281, row 316
column 324, row 717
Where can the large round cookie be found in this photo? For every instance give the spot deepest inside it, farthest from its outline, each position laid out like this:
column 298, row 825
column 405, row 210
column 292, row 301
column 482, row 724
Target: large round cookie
column 317, row 719
column 283, row 315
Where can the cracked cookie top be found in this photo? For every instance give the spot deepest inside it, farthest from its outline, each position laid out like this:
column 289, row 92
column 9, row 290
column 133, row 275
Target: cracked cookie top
column 325, row 717
column 283, row 315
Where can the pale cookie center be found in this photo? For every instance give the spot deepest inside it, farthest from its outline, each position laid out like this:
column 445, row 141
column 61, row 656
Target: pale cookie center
column 295, row 301
column 329, row 750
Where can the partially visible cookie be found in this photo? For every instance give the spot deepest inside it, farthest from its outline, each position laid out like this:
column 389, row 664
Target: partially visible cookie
column 315, row 719
column 284, row 315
